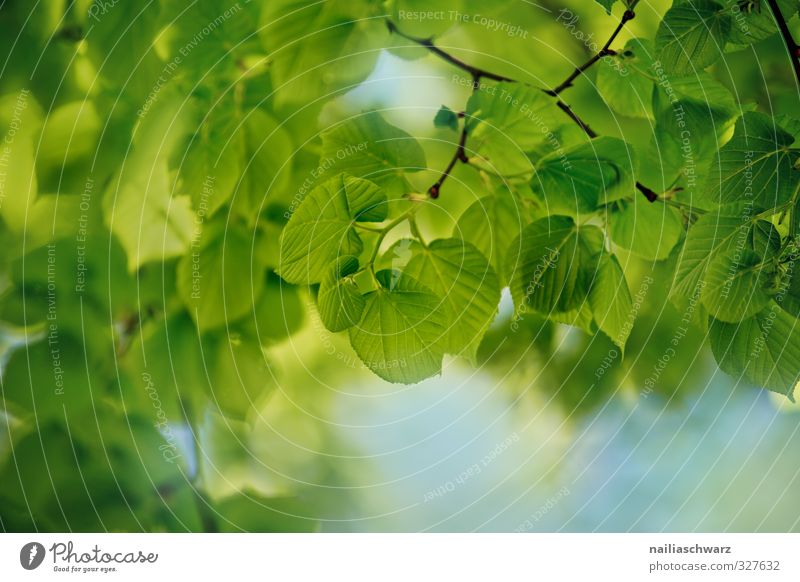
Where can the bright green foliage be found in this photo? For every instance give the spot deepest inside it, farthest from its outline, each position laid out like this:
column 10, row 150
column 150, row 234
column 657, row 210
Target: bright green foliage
column 610, row 300
column 713, row 234
column 369, row 147
column 763, row 349
column 650, row 231
column 691, row 36
column 214, row 282
column 467, row 288
column 584, row 177
column 340, row 301
column 491, row 224
column 399, row 336
column 756, row 163
column 506, row 121
column 736, row 285
column 625, row 80
column 322, row 227
column 552, row 264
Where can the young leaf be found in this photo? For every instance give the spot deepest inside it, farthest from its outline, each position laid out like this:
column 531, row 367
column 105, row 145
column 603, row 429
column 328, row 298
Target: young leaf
column 318, row 48
column 755, row 164
column 691, row 36
column 765, row 240
column 583, row 177
column 446, row 117
column 151, row 224
column 213, row 162
column 624, row 80
column 398, row 337
column 507, row 120
column 340, row 302
column 369, row 147
column 736, row 283
column 490, row 224
column 467, row 288
column 712, row 234
column 321, row 229
column 763, row 349
column 648, row 230
column 610, row 300
column 753, row 20
column 551, row 264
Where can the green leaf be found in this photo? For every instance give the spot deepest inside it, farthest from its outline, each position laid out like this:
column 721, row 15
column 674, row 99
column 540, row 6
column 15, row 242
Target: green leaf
column 151, row 224
column 340, row 301
column 507, row 120
column 467, row 289
column 369, row 147
column 321, row 229
column 691, row 36
column 398, row 337
column 693, row 114
column 217, row 281
column 318, row 48
column 610, row 300
column 69, row 133
column 714, row 233
column 736, row 283
column 213, row 162
column 491, row 224
column 624, row 80
column 120, row 44
column 446, row 117
column 580, row 179
column 268, row 152
column 755, row 164
column 763, row 349
column 753, row 20
column 646, row 229
column 551, row 264
column 139, row 206
column 765, row 240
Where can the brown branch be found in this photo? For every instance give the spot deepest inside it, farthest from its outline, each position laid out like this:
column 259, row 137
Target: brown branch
column 627, row 16
column 788, row 39
column 460, row 155
column 476, row 72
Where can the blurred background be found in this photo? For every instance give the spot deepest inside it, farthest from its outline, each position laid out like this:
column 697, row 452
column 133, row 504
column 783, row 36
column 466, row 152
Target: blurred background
column 554, row 430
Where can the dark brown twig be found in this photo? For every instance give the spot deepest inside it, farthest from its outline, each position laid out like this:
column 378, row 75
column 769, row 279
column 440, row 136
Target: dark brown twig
column 627, row 16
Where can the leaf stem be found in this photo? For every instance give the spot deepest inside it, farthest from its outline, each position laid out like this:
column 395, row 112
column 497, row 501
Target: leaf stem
column 407, row 215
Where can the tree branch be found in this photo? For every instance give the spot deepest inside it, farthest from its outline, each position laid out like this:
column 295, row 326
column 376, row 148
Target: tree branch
column 477, row 74
column 788, row 39
column 627, row 16
column 460, row 155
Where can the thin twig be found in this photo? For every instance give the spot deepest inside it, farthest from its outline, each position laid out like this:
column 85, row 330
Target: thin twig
column 627, row 16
